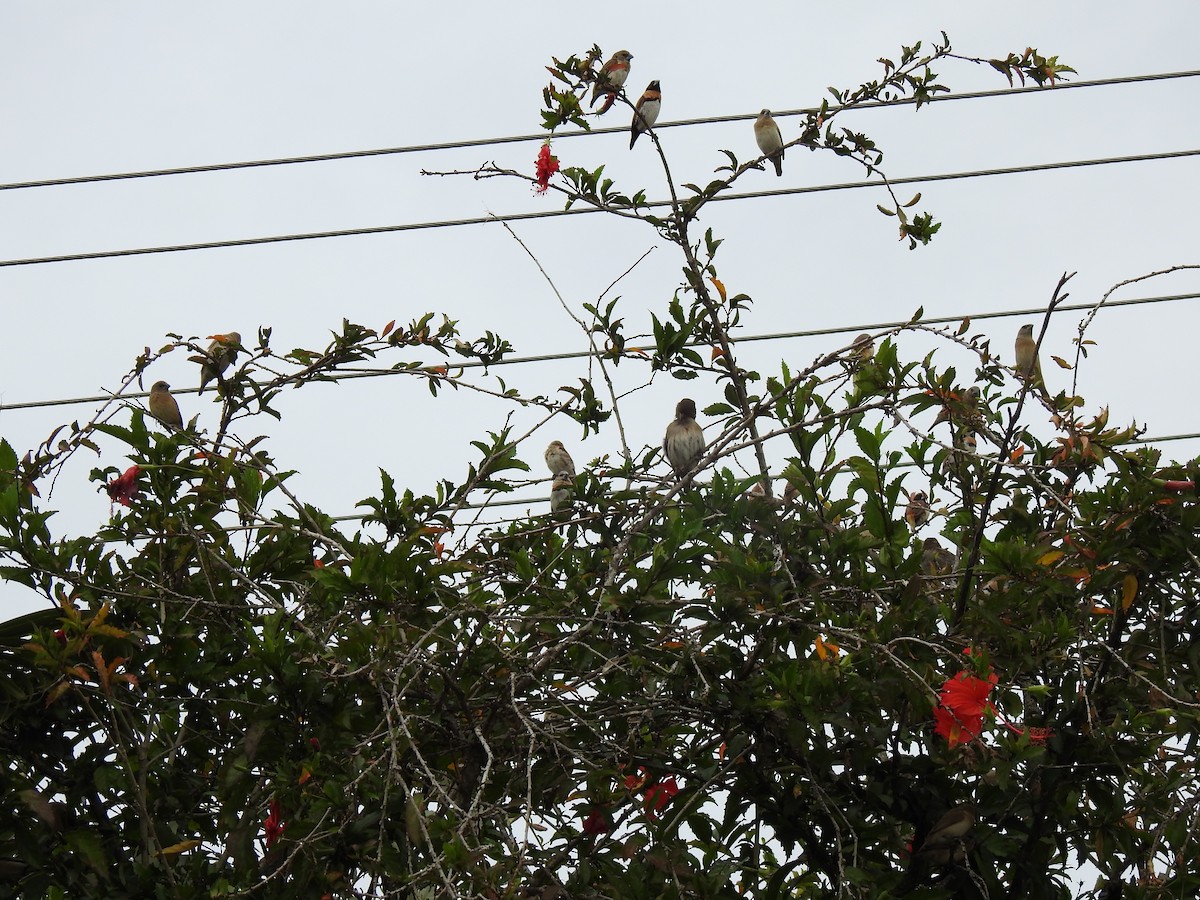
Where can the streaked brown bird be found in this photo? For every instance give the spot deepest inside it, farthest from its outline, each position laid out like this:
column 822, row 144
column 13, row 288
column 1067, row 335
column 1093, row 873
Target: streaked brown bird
column 917, row 513
column 559, row 460
column 645, row 114
column 163, row 406
column 1029, row 367
column 945, row 842
column 683, row 444
column 217, row 358
column 612, row 75
column 769, row 139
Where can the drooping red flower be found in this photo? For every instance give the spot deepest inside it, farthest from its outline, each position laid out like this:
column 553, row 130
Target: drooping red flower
column 547, row 165
column 962, row 702
column 659, row 795
column 273, row 827
column 124, row 487
column 597, row 822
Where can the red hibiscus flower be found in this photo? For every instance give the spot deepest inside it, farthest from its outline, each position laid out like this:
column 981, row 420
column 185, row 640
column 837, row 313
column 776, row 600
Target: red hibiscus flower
column 124, row 487
column 274, row 825
column 547, row 165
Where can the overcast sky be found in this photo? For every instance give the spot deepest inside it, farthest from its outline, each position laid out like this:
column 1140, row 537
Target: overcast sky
column 123, row 87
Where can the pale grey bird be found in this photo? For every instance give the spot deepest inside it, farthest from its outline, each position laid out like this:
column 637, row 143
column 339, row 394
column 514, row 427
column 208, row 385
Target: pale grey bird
column 559, row 460
column 683, row 444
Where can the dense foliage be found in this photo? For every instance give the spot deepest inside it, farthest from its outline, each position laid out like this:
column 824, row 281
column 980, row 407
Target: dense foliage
column 769, row 686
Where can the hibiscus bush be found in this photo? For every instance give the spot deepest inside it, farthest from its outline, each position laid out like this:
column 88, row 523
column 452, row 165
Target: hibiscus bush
column 750, row 685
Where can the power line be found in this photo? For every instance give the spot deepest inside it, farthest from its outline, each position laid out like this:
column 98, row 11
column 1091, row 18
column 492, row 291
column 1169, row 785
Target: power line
column 541, row 136
column 583, row 354
column 544, row 214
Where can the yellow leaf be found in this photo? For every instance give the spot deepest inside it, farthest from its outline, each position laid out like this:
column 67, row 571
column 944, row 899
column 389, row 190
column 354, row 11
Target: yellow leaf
column 1062, row 363
column 181, row 847
column 1129, row 588
column 1049, row 558
column 819, row 646
column 720, row 288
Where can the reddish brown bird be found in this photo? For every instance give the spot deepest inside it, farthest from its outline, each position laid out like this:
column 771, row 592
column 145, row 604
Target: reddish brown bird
column 612, row 75
column 163, row 406
column 645, row 114
column 683, row 444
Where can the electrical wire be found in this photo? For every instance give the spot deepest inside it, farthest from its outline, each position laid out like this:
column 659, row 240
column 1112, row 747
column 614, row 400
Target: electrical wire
column 584, row 354
column 541, row 136
column 544, row 214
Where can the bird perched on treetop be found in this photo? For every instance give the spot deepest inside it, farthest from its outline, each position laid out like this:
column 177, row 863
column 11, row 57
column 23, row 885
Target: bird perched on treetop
column 769, row 139
column 217, row 358
column 612, row 75
column 645, row 114
column 1029, row 367
column 559, row 460
column 163, row 406
column 683, row 444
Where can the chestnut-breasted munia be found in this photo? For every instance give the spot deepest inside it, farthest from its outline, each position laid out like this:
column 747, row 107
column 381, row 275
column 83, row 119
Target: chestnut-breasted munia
column 645, row 114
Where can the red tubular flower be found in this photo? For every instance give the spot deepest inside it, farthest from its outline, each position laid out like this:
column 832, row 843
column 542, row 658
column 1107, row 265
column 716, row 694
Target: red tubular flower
column 547, row 165
column 124, row 487
column 273, row 826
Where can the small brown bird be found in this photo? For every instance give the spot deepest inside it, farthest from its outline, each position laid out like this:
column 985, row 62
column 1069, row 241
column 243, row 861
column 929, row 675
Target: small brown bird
column 958, row 464
column 612, row 75
column 945, row 842
column 963, row 407
column 917, row 513
column 645, row 114
column 683, row 444
column 217, row 358
column 863, row 348
column 559, row 460
column 769, row 139
column 1029, row 367
column 562, row 493
column 163, row 406
column 936, row 560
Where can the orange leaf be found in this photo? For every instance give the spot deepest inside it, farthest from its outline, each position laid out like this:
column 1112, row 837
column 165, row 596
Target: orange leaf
column 1129, row 588
column 1101, row 610
column 1017, row 453
column 720, row 288
column 717, row 352
column 387, row 329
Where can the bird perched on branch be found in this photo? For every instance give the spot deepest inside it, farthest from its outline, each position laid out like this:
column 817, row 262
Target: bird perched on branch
column 216, row 359
column 963, row 407
column 683, row 444
column 612, row 75
column 163, row 406
column 562, row 494
column 945, row 842
column 645, row 114
column 769, row 139
column 917, row 513
column 559, row 460
column 1029, row 367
